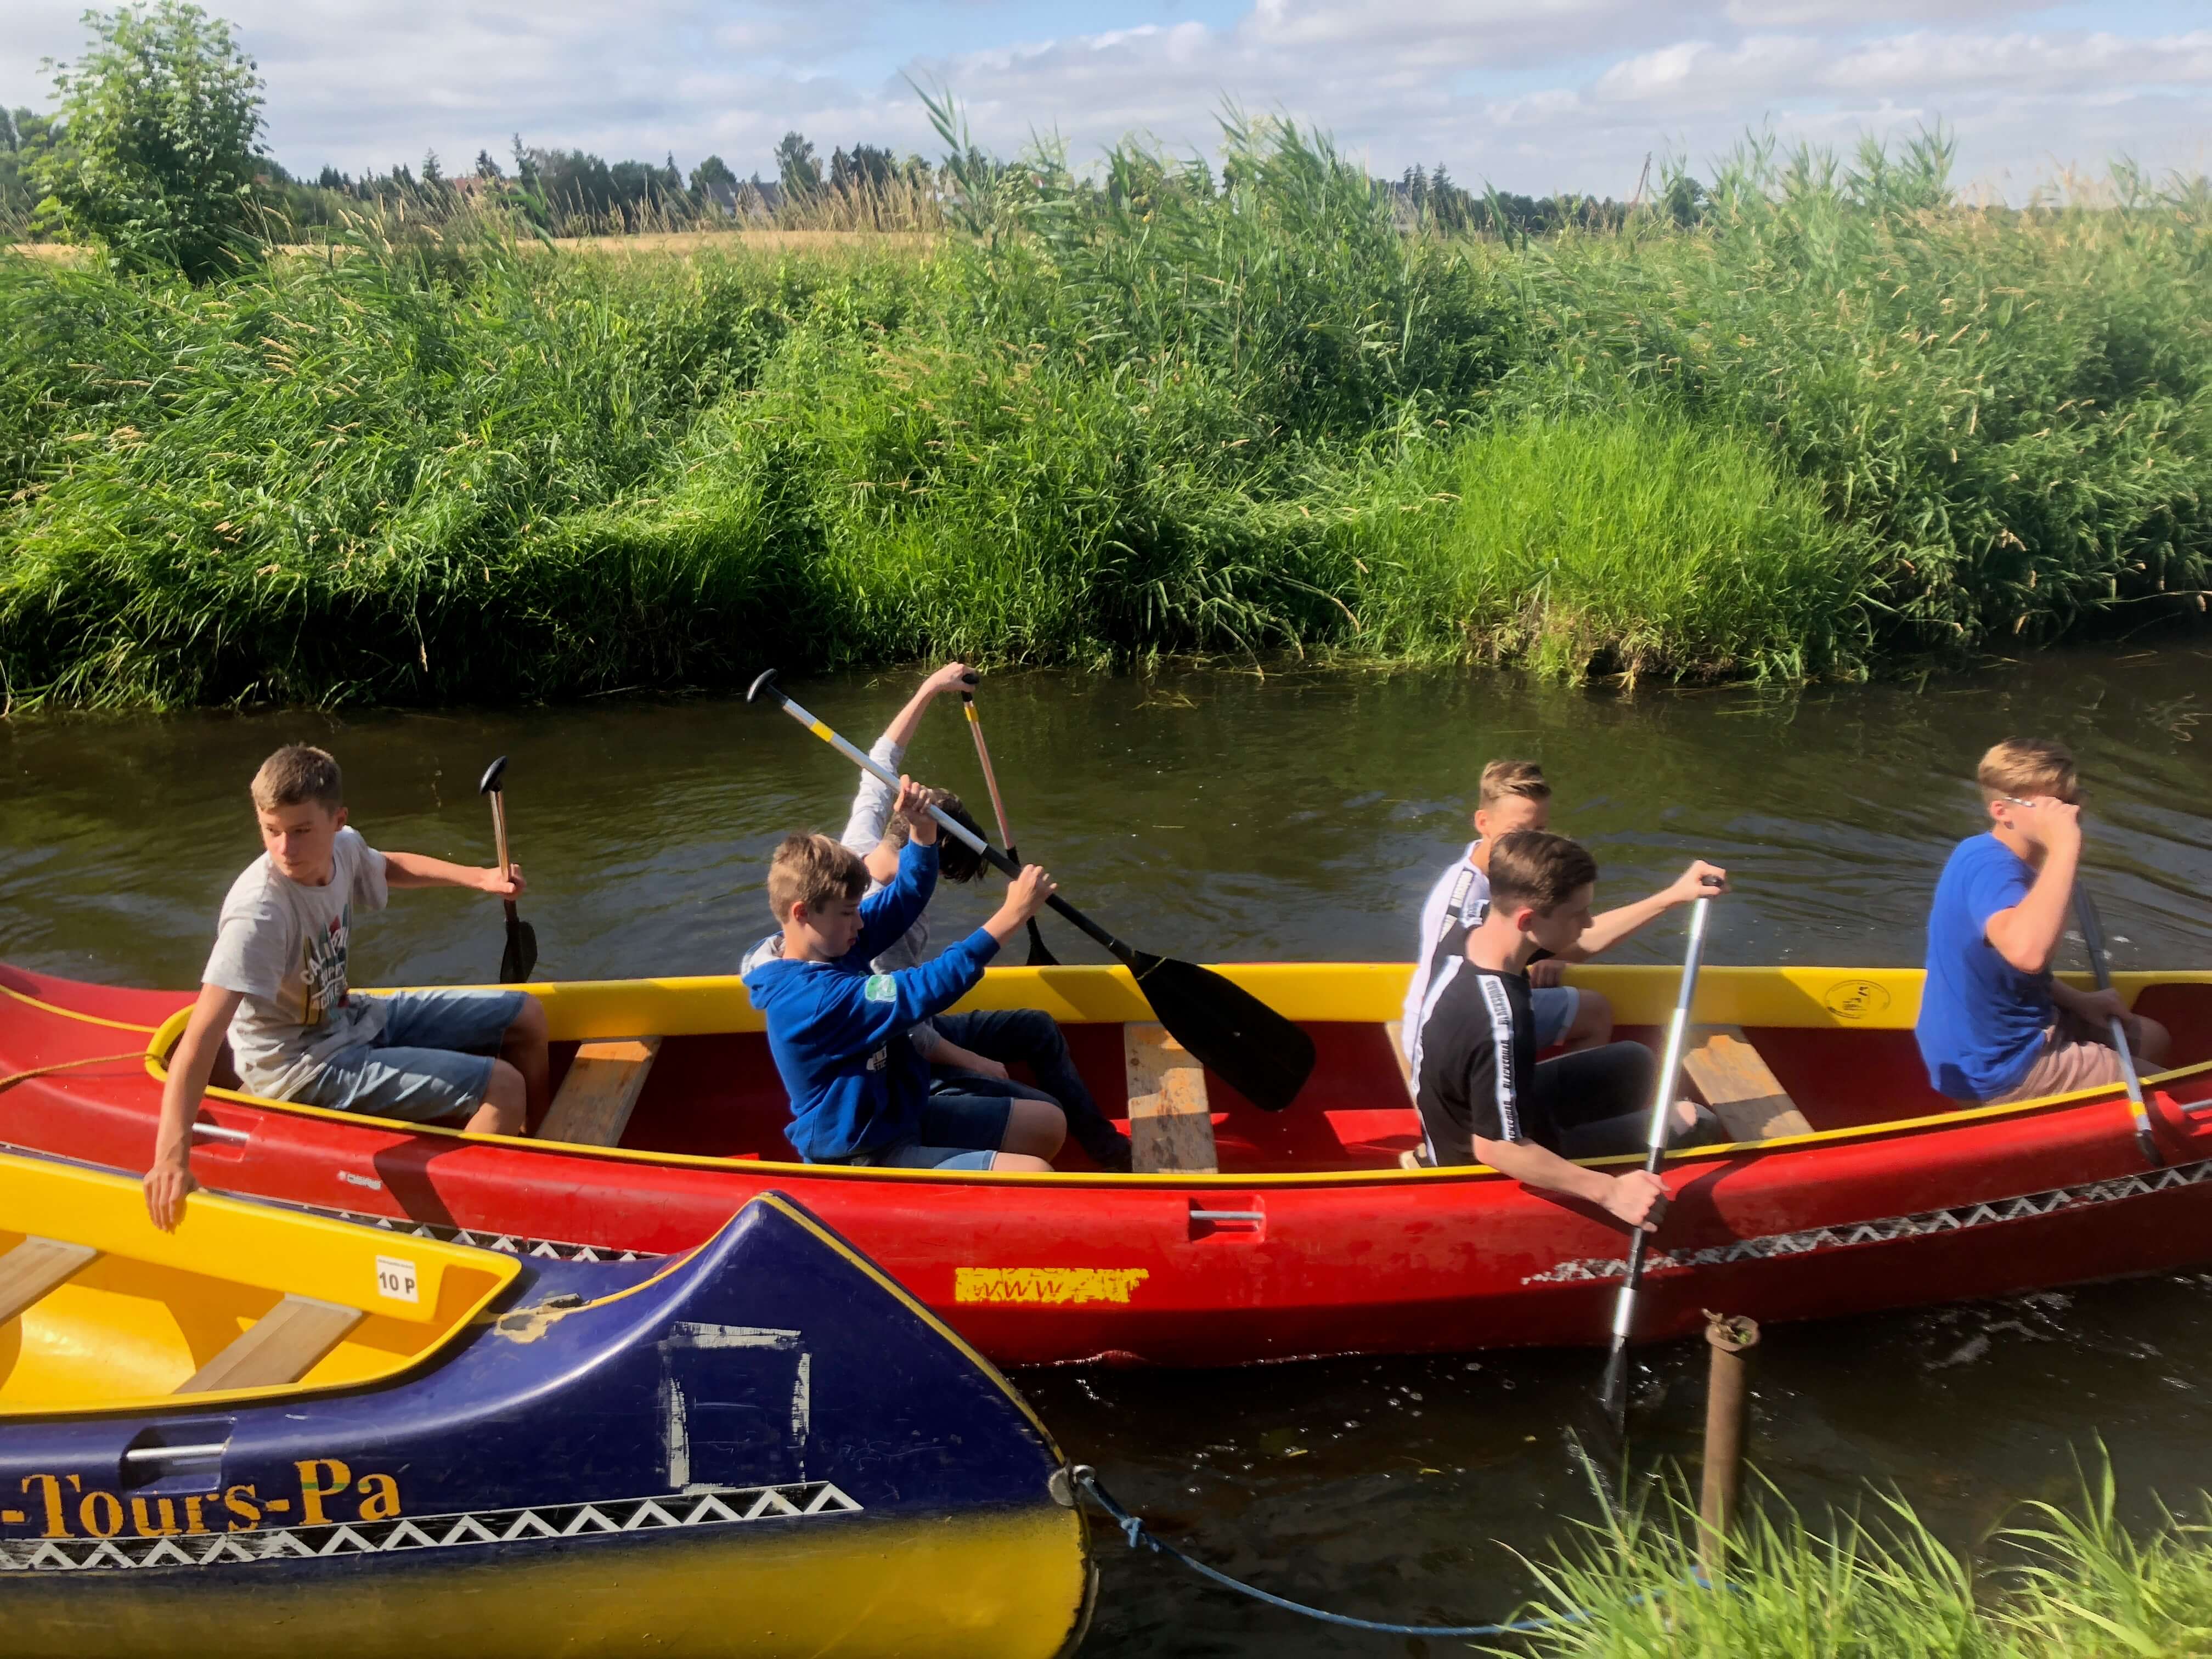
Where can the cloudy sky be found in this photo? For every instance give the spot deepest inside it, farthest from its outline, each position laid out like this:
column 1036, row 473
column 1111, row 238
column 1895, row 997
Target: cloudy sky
column 1533, row 95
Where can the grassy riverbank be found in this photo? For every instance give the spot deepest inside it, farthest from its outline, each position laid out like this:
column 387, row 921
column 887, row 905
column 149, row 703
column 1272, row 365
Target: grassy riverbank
column 1831, row 422
column 2065, row 1581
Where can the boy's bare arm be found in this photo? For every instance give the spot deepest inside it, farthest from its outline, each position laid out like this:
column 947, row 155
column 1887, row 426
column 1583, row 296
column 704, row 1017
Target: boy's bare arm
column 1637, row 1197
column 2027, row 935
column 1025, row 896
column 169, row 1177
column 907, row 720
column 415, row 870
column 1614, row 926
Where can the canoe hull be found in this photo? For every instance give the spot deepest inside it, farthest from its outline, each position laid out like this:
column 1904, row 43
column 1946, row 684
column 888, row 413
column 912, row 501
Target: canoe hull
column 1889, row 1210
column 934, row 1589
column 761, row 1446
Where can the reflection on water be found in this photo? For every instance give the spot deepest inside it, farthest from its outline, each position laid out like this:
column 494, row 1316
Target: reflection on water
column 1224, row 815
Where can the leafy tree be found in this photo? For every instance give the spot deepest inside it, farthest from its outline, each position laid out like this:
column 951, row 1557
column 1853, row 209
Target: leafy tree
column 486, row 168
column 796, row 168
column 865, row 166
column 434, row 173
column 331, row 178
column 25, row 135
column 163, row 112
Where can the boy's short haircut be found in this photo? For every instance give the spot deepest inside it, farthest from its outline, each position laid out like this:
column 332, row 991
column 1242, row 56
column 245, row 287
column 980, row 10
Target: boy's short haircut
column 1539, row 869
column 1502, row 778
column 2024, row 767
column 812, row 870
column 956, row 859
column 297, row 772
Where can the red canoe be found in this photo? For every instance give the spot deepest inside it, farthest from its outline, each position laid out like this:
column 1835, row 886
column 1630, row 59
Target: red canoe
column 1311, row 1239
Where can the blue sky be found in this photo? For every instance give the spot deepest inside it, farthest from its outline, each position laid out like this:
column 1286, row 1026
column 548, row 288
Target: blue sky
column 1531, row 94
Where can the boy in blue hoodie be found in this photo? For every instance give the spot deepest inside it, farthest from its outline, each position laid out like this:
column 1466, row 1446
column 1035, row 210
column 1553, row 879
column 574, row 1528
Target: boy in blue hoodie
column 859, row 1090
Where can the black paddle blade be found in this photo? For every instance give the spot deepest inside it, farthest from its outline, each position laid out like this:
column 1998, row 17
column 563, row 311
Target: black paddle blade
column 1039, row 955
column 520, row 957
column 1231, row 1033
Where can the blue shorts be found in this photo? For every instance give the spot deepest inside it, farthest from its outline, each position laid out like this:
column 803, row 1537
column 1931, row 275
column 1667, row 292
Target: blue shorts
column 958, row 1132
column 432, row 1060
column 1553, row 1008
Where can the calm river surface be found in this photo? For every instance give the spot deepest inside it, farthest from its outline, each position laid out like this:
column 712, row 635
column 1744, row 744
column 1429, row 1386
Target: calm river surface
column 1223, row 815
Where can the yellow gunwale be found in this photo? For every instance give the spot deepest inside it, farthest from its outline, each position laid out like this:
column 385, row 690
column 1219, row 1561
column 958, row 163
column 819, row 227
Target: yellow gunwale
column 122, row 1192
column 1294, row 983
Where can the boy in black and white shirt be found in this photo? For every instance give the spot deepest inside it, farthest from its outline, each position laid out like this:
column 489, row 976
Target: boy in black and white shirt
column 1483, row 1097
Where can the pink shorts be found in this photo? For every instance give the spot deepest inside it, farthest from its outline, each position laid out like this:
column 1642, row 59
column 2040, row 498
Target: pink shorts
column 2074, row 1055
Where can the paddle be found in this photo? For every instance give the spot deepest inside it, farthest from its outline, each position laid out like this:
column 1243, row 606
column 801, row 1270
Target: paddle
column 1039, row 957
column 2092, row 935
column 1263, row 1056
column 521, row 955
column 1612, row 1392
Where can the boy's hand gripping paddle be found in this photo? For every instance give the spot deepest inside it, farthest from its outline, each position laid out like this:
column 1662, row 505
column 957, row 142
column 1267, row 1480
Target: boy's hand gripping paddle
column 1612, row 1392
column 1039, row 957
column 1263, row 1056
column 521, row 955
column 2092, row 935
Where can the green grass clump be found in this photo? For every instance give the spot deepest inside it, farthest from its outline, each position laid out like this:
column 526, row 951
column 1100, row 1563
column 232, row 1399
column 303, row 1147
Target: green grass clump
column 2068, row 1583
column 1159, row 409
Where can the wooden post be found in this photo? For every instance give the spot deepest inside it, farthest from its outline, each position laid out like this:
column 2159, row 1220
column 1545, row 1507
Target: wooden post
column 1727, row 1410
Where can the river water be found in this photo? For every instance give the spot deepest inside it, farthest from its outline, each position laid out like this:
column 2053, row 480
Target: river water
column 1221, row 815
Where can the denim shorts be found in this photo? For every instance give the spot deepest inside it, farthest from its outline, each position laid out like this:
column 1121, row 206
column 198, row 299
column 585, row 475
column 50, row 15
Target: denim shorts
column 958, row 1132
column 1551, row 1009
column 433, row 1059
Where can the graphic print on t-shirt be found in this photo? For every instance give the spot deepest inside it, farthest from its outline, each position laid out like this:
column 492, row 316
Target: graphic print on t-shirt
column 323, row 968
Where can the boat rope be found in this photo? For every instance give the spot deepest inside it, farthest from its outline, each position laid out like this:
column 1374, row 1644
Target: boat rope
column 14, row 1078
column 1133, row 1528
column 72, row 1013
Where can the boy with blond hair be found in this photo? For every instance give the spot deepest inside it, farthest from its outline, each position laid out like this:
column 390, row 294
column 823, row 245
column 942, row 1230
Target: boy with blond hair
column 276, row 981
column 1515, row 795
column 838, row 1030
column 1483, row 1096
column 1994, row 1025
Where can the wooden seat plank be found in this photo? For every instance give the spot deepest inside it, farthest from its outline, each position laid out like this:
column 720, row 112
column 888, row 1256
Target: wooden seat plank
column 36, row 1266
column 595, row 1099
column 1171, row 1120
column 280, row 1346
column 1737, row 1083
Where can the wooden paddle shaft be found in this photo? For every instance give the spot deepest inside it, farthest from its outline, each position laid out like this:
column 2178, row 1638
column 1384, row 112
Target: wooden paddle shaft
column 990, row 777
column 2092, row 935
column 499, row 831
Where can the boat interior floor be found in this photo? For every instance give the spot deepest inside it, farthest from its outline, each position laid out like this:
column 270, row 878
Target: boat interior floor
column 719, row 1095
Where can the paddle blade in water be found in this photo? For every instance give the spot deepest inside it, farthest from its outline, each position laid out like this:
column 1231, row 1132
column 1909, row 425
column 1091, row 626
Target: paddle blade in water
column 517, row 960
column 1231, row 1033
column 1613, row 1391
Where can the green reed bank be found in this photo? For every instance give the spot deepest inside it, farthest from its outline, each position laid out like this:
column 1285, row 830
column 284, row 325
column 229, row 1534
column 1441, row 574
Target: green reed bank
column 1827, row 417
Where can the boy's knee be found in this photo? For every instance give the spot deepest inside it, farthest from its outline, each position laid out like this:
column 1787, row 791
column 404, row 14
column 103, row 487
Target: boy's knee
column 2156, row 1042
column 528, row 1024
column 1593, row 1020
column 1036, row 1127
column 1020, row 1162
column 504, row 1090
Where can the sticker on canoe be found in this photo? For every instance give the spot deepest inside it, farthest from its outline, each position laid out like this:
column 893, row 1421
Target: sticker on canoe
column 1854, row 998
column 1057, row 1286
column 395, row 1279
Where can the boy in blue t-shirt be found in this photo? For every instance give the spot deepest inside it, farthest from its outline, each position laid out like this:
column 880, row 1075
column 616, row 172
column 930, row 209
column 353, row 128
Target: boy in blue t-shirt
column 1995, row 1026
column 859, row 1088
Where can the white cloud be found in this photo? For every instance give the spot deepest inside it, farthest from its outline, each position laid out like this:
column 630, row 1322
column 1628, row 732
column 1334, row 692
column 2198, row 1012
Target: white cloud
column 1536, row 94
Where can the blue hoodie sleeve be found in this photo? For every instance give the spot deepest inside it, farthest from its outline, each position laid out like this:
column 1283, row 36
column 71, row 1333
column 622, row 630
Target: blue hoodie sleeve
column 869, row 1011
column 885, row 916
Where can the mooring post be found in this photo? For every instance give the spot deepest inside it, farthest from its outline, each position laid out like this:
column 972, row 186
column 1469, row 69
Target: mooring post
column 1727, row 1410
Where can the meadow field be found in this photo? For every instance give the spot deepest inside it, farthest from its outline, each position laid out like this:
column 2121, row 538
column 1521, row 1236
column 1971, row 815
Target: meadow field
column 1832, row 421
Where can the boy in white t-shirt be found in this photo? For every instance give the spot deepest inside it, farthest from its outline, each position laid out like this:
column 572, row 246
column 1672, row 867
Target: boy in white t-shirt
column 276, row 981
column 1515, row 795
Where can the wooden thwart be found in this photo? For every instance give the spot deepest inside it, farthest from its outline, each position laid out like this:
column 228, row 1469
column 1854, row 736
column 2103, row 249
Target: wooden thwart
column 1744, row 1094
column 1171, row 1122
column 35, row 1266
column 596, row 1099
column 280, row 1346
